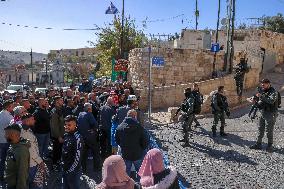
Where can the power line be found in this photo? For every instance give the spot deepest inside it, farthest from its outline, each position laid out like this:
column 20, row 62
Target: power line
column 49, row 28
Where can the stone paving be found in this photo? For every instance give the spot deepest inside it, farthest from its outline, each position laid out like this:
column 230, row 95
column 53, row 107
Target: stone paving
column 223, row 162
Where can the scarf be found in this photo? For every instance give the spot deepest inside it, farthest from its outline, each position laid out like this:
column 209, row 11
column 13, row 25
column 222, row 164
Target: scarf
column 152, row 164
column 114, row 174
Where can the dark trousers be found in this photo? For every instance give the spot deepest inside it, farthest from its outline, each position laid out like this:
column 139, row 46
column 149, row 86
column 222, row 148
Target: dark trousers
column 72, row 180
column 4, row 148
column 219, row 116
column 57, row 150
column 196, row 121
column 240, row 86
column 105, row 143
column 186, row 126
column 267, row 121
column 94, row 147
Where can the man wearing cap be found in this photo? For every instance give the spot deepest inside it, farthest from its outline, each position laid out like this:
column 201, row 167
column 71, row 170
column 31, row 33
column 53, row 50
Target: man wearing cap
column 36, row 163
column 5, row 119
column 268, row 104
column 18, row 159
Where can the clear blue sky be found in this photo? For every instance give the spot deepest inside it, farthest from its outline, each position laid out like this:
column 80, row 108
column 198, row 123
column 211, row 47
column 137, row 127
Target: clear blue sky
column 85, row 13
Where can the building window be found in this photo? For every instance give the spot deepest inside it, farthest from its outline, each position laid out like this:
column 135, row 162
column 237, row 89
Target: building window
column 82, row 53
column 77, row 53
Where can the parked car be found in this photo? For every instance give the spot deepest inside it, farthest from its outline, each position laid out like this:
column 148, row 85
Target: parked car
column 41, row 90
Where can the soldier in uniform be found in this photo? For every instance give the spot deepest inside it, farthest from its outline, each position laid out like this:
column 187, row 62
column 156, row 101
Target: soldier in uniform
column 18, row 158
column 187, row 115
column 198, row 101
column 268, row 104
column 220, row 107
column 241, row 69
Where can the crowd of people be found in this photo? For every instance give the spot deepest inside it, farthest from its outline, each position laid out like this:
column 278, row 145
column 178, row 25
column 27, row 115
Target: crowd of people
column 66, row 128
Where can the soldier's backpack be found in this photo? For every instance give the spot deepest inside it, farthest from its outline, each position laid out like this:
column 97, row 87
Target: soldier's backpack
column 278, row 99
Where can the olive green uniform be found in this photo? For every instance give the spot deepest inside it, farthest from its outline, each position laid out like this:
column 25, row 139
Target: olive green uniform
column 17, row 165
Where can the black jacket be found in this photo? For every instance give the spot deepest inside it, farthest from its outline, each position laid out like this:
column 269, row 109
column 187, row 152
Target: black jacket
column 42, row 121
column 219, row 103
column 132, row 139
column 71, row 152
column 198, row 101
column 67, row 111
column 79, row 108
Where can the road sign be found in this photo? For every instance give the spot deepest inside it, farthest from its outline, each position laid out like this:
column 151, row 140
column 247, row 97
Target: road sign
column 158, row 61
column 215, row 47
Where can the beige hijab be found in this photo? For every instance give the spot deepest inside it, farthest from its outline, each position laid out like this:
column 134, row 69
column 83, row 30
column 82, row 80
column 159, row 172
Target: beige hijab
column 114, row 174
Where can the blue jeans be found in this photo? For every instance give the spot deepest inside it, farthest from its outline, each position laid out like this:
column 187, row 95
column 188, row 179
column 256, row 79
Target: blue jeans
column 3, row 148
column 71, row 180
column 137, row 164
column 43, row 142
column 32, row 173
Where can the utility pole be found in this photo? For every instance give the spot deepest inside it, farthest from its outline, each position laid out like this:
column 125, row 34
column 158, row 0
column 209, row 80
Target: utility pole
column 196, row 14
column 46, row 79
column 32, row 65
column 228, row 48
column 214, row 74
column 122, row 32
column 232, row 37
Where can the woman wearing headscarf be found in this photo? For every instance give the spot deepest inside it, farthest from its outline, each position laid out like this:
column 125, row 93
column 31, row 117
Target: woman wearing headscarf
column 115, row 176
column 153, row 173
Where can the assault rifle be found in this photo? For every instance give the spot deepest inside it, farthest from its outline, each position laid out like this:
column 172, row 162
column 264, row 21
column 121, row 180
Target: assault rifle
column 256, row 105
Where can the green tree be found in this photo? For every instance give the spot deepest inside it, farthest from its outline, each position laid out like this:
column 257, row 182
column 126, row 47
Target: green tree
column 51, row 56
column 108, row 42
column 274, row 23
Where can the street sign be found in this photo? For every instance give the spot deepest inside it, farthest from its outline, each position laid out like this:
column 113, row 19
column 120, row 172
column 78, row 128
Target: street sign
column 215, row 47
column 158, row 61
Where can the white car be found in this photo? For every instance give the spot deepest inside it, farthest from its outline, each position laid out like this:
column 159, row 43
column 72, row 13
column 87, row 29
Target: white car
column 41, row 90
column 19, row 88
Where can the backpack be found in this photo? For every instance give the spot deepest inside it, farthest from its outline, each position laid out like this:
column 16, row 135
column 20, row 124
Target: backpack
column 278, row 99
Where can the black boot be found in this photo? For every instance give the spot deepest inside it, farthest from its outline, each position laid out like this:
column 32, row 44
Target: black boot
column 185, row 139
column 256, row 146
column 214, row 133
column 269, row 148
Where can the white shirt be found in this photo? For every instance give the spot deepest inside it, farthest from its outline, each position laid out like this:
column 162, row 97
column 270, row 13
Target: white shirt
column 5, row 119
column 35, row 158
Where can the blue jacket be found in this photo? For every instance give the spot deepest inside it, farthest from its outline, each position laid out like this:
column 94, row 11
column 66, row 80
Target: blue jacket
column 106, row 113
column 85, row 87
column 87, row 127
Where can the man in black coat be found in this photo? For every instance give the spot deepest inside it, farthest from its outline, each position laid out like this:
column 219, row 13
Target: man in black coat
column 132, row 139
column 42, row 127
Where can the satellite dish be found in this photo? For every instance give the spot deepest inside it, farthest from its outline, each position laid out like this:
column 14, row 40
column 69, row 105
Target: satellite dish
column 224, row 21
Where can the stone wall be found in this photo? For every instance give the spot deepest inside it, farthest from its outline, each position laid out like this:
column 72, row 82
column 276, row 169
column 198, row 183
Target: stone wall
column 181, row 66
column 172, row 95
column 257, row 43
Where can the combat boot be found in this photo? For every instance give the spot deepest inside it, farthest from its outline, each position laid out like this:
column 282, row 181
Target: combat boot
column 269, row 148
column 256, row 146
column 214, row 133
